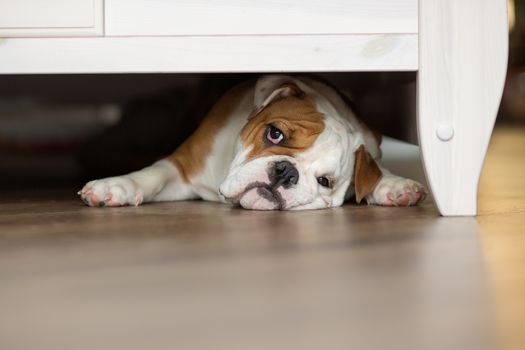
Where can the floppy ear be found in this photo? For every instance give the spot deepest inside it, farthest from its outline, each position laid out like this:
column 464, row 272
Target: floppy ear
column 274, row 87
column 366, row 174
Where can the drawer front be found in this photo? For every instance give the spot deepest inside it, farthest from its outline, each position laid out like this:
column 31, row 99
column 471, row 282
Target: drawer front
column 261, row 17
column 32, row 18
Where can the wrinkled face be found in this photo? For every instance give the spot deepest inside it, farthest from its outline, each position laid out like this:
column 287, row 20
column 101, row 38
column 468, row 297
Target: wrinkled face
column 292, row 157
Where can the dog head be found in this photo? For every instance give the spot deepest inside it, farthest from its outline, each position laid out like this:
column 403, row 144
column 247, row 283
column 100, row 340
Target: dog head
column 297, row 151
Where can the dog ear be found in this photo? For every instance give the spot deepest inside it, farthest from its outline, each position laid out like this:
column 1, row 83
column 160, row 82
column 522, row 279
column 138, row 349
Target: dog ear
column 366, row 174
column 272, row 88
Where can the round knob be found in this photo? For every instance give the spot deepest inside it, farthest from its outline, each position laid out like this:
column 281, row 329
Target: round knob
column 445, row 132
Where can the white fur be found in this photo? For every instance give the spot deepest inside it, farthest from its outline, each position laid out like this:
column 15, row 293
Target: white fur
column 158, row 182
column 394, row 190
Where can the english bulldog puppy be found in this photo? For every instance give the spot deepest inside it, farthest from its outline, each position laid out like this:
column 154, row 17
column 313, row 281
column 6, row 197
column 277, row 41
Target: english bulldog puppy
column 280, row 142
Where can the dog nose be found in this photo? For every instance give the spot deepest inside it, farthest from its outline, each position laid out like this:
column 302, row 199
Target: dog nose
column 285, row 174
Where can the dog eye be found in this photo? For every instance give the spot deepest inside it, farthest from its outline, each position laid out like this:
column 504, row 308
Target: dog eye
column 323, row 181
column 274, row 135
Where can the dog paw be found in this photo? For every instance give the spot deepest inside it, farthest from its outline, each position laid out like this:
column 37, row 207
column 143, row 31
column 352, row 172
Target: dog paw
column 395, row 191
column 111, row 192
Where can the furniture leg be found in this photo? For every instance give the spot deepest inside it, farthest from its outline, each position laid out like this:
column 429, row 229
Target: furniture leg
column 463, row 48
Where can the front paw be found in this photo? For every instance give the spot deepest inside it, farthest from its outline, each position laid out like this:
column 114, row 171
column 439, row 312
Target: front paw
column 395, row 191
column 111, row 192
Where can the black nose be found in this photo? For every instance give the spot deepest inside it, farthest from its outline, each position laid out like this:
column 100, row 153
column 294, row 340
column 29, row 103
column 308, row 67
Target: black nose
column 284, row 174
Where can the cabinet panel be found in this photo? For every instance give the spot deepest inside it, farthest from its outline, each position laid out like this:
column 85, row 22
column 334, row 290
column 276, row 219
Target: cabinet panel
column 262, row 17
column 50, row 17
column 211, row 54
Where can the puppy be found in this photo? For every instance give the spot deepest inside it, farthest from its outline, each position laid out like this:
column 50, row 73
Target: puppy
column 281, row 142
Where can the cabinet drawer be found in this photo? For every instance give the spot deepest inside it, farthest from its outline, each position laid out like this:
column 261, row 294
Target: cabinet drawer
column 20, row 18
column 262, row 17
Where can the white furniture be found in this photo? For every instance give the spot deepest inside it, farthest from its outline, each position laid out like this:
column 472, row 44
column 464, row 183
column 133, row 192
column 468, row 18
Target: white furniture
column 458, row 48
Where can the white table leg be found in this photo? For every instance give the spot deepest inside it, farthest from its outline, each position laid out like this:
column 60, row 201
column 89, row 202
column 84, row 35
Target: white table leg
column 463, row 47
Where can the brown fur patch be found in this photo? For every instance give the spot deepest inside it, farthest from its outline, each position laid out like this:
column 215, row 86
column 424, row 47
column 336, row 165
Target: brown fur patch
column 366, row 174
column 191, row 156
column 296, row 117
column 294, row 90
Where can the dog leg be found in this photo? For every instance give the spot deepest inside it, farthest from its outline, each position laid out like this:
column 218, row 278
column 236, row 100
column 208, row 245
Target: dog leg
column 396, row 191
column 158, row 182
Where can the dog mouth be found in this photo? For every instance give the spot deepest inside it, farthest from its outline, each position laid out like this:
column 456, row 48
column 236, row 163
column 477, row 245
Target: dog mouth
column 263, row 190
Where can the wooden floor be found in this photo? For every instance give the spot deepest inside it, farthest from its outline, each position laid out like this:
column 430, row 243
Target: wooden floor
column 199, row 275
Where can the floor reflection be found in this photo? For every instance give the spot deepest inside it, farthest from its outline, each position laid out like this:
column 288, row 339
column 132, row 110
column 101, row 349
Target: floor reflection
column 501, row 227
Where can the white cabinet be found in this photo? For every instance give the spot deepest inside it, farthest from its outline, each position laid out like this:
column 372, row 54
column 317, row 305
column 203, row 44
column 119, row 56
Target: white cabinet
column 37, row 18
